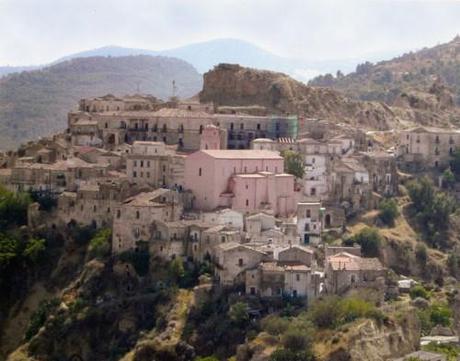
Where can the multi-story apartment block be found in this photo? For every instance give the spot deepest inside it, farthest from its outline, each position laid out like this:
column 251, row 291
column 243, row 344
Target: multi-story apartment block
column 425, row 147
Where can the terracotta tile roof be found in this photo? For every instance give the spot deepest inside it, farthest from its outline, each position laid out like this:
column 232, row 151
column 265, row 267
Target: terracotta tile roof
column 241, row 154
column 348, row 262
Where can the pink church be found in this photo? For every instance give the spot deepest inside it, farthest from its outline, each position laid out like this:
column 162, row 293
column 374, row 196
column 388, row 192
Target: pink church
column 245, row 180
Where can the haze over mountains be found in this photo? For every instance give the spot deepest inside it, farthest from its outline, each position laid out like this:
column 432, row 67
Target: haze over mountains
column 204, row 55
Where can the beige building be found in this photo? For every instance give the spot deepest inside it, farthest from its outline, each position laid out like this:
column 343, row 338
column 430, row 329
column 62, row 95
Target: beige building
column 345, row 271
column 426, row 147
column 153, row 164
column 135, row 218
column 233, row 259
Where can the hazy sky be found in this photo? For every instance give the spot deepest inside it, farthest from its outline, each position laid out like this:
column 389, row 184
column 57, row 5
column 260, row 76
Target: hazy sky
column 40, row 31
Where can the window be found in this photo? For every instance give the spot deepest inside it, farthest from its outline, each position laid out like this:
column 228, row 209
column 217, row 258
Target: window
column 247, row 202
column 313, row 192
column 106, row 125
column 241, row 126
column 118, row 213
column 148, row 162
column 297, row 277
column 94, row 208
column 138, row 215
column 201, row 129
column 258, row 126
column 231, row 126
column 148, row 174
column 135, row 163
column 108, row 210
column 142, row 163
column 222, row 239
column 245, row 170
column 199, row 172
column 308, row 213
column 164, row 168
column 240, row 262
column 134, row 174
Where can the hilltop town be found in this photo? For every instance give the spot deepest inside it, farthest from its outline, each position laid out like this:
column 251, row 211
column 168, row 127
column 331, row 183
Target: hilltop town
column 269, row 207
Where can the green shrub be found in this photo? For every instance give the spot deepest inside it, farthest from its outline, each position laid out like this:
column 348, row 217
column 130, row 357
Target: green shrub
column 419, row 291
column 100, row 244
column 441, row 314
column 332, row 312
column 238, row 313
column 370, row 241
column 274, row 325
column 388, row 211
column 295, row 340
column 38, row 318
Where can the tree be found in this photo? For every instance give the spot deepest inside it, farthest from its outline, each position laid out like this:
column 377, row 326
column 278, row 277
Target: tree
column 293, row 163
column 448, row 179
column 34, row 249
column 432, row 210
column 176, row 269
column 419, row 291
column 421, row 254
column 239, row 314
column 388, row 211
column 455, row 164
column 441, row 314
column 370, row 241
column 13, row 208
column 100, row 244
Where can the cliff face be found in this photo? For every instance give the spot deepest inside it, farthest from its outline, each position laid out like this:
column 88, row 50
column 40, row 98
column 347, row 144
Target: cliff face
column 233, row 85
column 367, row 341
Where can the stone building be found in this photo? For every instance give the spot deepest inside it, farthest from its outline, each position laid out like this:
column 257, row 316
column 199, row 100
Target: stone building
column 427, row 147
column 345, row 271
column 233, row 259
column 134, row 219
column 153, row 164
column 310, row 222
column 273, row 279
column 56, row 177
column 383, row 172
column 94, row 203
column 110, row 121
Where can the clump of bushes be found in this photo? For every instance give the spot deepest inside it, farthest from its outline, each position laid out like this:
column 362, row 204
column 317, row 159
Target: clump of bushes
column 432, row 210
column 38, row 318
column 436, row 314
column 419, row 291
column 388, row 211
column 369, row 239
column 332, row 312
column 100, row 244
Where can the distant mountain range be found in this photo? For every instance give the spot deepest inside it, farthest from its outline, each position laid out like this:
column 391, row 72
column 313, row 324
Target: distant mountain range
column 205, row 55
column 35, row 103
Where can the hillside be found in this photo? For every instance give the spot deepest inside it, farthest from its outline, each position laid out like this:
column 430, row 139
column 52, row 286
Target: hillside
column 233, row 85
column 406, row 80
column 35, row 103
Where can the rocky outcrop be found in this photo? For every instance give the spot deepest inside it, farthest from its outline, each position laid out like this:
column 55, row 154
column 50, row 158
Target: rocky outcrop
column 234, row 85
column 368, row 341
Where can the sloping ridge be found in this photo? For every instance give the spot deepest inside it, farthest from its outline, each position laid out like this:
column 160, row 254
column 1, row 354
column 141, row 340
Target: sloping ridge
column 233, row 85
